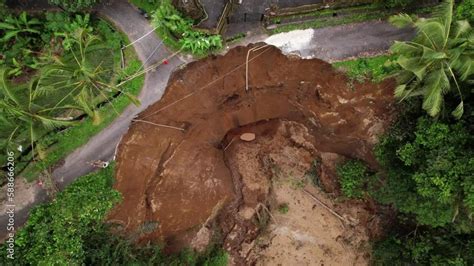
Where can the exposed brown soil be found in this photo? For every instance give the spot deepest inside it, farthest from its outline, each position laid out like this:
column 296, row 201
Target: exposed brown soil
column 204, row 182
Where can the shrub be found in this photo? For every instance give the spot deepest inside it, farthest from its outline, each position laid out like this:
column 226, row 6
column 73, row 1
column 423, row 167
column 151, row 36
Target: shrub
column 353, row 175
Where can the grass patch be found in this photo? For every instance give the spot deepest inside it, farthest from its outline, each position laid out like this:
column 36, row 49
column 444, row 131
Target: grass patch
column 375, row 68
column 283, row 208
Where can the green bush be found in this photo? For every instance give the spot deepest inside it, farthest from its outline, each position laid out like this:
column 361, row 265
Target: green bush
column 353, row 176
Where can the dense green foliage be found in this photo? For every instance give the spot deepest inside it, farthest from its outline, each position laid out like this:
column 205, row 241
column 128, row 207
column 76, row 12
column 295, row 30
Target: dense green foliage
column 426, row 164
column 177, row 31
column 55, row 232
column 74, row 5
column 465, row 10
column 424, row 246
column 21, row 37
column 429, row 172
column 439, row 58
column 353, row 176
column 71, row 230
column 427, row 176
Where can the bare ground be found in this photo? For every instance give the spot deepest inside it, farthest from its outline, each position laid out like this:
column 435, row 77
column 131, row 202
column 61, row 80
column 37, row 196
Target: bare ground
column 183, row 168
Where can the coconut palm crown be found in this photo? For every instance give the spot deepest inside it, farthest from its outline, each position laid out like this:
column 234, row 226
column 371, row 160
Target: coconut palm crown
column 437, row 60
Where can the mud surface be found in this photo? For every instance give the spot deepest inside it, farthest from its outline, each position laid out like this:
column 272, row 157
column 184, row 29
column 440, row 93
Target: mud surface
column 187, row 177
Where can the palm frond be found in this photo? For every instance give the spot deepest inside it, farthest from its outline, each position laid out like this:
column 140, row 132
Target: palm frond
column 459, row 111
column 432, row 32
column 5, row 87
column 436, row 84
column 462, row 28
column 413, row 64
column 52, row 123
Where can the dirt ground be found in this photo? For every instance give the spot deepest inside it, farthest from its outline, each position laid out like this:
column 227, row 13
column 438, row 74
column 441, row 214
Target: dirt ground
column 310, row 234
column 187, row 179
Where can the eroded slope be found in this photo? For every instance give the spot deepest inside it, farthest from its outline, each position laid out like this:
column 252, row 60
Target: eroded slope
column 179, row 184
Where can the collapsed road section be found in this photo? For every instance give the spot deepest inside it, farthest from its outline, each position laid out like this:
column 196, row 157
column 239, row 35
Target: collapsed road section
column 199, row 165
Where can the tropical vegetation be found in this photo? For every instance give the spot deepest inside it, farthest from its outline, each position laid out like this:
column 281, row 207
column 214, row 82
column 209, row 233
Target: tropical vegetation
column 352, row 177
column 464, row 10
column 426, row 162
column 56, row 70
column 177, row 31
column 72, row 230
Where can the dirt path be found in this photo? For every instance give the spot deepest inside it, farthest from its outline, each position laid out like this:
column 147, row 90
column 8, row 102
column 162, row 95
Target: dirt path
column 334, row 43
column 102, row 146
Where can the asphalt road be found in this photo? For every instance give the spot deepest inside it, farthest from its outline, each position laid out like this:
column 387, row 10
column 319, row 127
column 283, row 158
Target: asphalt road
column 102, row 146
column 333, row 43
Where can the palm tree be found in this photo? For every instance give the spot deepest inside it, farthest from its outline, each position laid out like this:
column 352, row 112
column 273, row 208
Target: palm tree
column 84, row 74
column 25, row 115
column 437, row 60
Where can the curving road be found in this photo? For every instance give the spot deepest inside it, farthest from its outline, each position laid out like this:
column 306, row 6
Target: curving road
column 102, row 146
column 333, row 43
